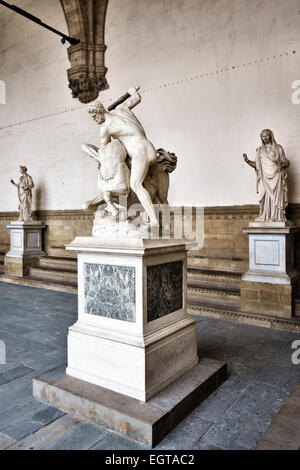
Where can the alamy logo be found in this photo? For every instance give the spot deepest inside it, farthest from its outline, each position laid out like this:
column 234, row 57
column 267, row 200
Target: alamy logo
column 2, row 92
column 2, row 352
column 296, row 93
column 296, row 354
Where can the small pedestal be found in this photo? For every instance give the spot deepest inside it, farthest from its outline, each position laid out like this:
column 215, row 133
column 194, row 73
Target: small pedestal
column 25, row 247
column 268, row 286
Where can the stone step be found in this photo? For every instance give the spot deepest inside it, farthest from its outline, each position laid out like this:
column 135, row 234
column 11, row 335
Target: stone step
column 58, row 275
column 213, row 279
column 200, row 309
column 42, row 284
column 52, row 262
column 61, row 252
column 214, row 297
column 218, row 263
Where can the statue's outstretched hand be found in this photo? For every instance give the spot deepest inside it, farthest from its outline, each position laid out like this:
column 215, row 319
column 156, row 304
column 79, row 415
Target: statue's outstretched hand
column 12, row 182
column 245, row 157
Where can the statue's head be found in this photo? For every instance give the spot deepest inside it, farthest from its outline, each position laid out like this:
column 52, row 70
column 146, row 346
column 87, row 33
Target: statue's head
column 23, row 169
column 267, row 136
column 97, row 111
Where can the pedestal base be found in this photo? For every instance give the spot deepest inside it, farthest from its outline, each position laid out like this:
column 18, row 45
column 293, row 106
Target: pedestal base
column 144, row 422
column 25, row 247
column 133, row 335
column 268, row 286
column 268, row 299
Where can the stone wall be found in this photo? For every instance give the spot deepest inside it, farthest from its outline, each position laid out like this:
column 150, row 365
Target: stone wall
column 212, row 73
column 225, row 246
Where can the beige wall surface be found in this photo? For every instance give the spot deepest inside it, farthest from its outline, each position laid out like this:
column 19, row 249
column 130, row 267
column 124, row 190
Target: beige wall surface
column 213, row 73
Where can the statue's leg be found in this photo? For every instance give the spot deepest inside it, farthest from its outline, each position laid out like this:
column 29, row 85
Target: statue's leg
column 94, row 202
column 110, row 205
column 139, row 169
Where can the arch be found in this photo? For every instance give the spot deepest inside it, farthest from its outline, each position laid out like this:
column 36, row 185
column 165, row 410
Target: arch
column 86, row 21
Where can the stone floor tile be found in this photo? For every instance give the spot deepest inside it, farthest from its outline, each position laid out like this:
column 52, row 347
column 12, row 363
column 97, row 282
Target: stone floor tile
column 186, row 433
column 5, row 441
column 13, row 374
column 45, row 435
column 112, row 441
column 34, row 420
column 82, row 437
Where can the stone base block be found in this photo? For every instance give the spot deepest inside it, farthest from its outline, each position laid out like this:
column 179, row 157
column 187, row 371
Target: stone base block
column 19, row 266
column 144, row 422
column 139, row 371
column 268, row 299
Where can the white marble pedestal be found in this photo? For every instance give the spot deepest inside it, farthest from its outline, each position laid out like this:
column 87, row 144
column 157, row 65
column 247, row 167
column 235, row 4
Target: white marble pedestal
column 133, row 335
column 26, row 246
column 268, row 286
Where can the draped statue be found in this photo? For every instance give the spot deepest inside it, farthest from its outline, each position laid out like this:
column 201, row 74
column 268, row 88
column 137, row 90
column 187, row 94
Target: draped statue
column 271, row 169
column 25, row 186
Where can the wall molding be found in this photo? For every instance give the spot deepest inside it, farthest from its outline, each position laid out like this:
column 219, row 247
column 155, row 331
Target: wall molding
column 247, row 211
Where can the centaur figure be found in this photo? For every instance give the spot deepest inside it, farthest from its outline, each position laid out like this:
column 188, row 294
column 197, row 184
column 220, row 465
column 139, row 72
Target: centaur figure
column 127, row 159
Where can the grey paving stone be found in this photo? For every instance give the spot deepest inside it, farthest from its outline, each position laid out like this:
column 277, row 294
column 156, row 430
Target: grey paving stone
column 112, row 441
column 186, row 433
column 33, row 421
column 260, row 399
column 45, row 361
column 5, row 441
column 19, row 411
column 10, row 364
column 278, row 375
column 81, row 437
column 15, row 392
column 46, row 434
column 236, row 432
column 215, row 406
column 251, row 368
column 202, row 445
column 14, row 374
column 236, row 383
column 11, row 327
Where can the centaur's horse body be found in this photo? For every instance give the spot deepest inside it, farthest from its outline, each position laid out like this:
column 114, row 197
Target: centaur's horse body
column 114, row 176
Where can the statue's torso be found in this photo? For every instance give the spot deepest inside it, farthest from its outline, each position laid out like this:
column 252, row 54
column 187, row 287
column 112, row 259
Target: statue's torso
column 123, row 124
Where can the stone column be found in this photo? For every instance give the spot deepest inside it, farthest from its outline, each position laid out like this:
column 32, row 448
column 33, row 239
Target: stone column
column 268, row 287
column 133, row 335
column 26, row 246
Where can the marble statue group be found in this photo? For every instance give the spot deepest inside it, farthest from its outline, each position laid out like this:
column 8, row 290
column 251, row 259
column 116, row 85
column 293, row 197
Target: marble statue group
column 128, row 164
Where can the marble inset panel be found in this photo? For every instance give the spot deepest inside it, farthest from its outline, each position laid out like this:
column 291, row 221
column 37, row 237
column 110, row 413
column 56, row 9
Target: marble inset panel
column 164, row 289
column 109, row 291
column 267, row 252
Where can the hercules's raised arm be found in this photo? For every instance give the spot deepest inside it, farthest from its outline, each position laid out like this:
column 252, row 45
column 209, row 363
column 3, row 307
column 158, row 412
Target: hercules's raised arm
column 135, row 98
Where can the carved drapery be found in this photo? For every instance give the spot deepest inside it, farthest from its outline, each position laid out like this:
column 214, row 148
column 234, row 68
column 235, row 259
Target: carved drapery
column 86, row 21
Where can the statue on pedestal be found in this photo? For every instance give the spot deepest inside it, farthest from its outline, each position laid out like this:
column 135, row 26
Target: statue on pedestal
column 25, row 186
column 128, row 164
column 271, row 169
